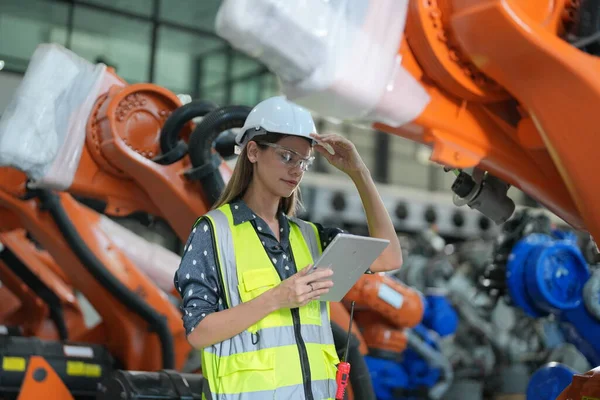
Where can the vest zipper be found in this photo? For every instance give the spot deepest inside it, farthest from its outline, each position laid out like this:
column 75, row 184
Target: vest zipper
column 304, row 364
column 303, row 355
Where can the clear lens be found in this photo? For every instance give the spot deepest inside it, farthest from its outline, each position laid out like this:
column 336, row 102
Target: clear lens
column 286, row 157
column 290, row 159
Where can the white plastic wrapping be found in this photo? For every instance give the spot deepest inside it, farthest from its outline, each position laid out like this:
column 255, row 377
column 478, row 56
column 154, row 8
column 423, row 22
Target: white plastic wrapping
column 336, row 57
column 42, row 131
column 156, row 262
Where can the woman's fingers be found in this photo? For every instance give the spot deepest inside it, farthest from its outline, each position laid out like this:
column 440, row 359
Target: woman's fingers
column 318, row 274
column 321, row 285
column 324, row 136
column 311, row 287
column 321, row 150
column 304, row 271
column 331, row 138
column 312, row 290
column 314, row 295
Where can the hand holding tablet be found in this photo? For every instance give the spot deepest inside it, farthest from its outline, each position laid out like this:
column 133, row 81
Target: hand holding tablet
column 349, row 257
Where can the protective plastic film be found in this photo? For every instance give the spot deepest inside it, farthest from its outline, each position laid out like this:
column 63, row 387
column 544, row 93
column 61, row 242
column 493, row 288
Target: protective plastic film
column 336, row 57
column 156, row 262
column 43, row 127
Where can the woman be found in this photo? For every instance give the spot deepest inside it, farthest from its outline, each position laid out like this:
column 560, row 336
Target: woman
column 249, row 304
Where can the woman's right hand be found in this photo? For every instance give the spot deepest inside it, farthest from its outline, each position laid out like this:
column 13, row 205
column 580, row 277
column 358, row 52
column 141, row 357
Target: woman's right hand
column 302, row 287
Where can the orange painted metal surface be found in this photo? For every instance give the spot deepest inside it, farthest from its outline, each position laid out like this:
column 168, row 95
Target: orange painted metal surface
column 380, row 334
column 508, row 95
column 127, row 337
column 568, row 127
column 123, row 134
column 464, row 135
column 365, row 294
column 584, row 386
column 31, row 314
column 49, row 388
column 33, row 317
column 11, row 303
column 381, row 325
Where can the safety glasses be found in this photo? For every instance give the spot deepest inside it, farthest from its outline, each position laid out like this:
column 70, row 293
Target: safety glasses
column 291, row 158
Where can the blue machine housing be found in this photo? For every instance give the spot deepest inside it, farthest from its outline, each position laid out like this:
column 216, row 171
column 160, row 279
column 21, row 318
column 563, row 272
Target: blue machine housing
column 439, row 315
column 411, row 374
column 546, row 275
column 406, row 379
column 549, row 381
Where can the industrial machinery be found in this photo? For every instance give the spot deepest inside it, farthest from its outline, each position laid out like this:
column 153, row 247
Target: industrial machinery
column 389, row 316
column 37, row 298
column 335, row 202
column 497, row 347
column 140, row 328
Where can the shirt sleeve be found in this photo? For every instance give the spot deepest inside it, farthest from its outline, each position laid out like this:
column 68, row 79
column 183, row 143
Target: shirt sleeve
column 327, row 234
column 196, row 279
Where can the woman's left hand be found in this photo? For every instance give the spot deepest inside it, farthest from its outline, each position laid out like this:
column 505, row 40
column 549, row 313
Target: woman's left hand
column 345, row 157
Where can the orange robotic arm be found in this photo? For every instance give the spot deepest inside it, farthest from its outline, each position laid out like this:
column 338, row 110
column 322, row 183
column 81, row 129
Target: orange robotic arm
column 49, row 308
column 384, row 307
column 117, row 163
column 488, row 107
column 134, row 160
column 127, row 301
column 584, row 386
column 124, row 145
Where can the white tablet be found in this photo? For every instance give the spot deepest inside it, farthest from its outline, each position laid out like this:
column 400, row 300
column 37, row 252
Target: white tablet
column 349, row 256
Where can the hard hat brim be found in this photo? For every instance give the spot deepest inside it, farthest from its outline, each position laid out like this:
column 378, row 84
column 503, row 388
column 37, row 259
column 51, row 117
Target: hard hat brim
column 251, row 134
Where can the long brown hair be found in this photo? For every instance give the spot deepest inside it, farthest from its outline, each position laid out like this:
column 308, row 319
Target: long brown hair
column 243, row 173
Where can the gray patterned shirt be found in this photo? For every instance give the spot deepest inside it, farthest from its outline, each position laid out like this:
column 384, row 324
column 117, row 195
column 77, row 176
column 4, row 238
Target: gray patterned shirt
column 197, row 279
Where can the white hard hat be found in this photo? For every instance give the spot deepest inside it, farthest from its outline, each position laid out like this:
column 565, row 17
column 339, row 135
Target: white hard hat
column 276, row 115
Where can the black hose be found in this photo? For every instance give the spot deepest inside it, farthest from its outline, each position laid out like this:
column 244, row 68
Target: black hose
column 360, row 377
column 94, row 266
column 225, row 144
column 587, row 26
column 159, row 385
column 207, row 131
column 205, row 163
column 58, row 317
column 169, row 135
column 27, row 276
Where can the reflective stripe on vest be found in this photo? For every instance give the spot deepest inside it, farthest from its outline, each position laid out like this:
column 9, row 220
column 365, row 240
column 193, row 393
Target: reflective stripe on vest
column 321, row 390
column 264, row 361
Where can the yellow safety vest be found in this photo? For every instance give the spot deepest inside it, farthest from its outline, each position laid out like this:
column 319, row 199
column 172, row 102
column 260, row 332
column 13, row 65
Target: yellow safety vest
column 289, row 354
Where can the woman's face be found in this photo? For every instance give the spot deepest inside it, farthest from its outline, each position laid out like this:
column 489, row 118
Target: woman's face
column 280, row 166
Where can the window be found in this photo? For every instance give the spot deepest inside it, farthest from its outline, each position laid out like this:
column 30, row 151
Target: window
column 246, row 92
column 139, row 7
column 24, row 24
column 212, row 77
column 198, row 14
column 179, row 63
column 270, row 86
column 117, row 41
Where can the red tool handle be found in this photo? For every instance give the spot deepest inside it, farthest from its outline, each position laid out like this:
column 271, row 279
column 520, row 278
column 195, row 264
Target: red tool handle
column 342, row 377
